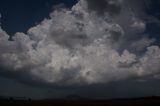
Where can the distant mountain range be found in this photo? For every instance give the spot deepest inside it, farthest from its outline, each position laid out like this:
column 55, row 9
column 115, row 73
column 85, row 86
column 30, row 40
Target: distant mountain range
column 78, row 98
column 74, row 100
column 13, row 98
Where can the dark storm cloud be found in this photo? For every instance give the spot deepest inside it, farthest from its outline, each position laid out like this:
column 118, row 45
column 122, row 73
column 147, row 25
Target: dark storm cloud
column 113, row 7
column 68, row 50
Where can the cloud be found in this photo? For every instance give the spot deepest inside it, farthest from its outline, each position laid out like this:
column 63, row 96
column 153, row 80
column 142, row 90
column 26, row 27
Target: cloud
column 112, row 7
column 79, row 47
column 141, row 44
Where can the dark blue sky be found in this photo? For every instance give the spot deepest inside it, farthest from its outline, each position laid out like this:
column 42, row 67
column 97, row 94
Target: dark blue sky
column 154, row 28
column 20, row 15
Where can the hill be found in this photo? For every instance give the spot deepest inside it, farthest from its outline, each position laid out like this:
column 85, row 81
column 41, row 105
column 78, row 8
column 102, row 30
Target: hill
column 146, row 101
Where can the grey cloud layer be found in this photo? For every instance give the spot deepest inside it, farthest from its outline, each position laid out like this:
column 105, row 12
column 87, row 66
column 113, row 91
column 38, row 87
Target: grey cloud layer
column 81, row 47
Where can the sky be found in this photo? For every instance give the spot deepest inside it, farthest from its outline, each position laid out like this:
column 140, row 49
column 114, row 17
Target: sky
column 90, row 48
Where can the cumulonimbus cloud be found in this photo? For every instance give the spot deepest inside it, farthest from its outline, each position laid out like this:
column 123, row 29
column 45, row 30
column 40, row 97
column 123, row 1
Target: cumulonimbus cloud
column 81, row 46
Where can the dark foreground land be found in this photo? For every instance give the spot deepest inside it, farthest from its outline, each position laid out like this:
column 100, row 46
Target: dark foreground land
column 149, row 101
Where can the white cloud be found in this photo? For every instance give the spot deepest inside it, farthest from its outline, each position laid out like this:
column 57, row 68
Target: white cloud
column 79, row 47
column 141, row 44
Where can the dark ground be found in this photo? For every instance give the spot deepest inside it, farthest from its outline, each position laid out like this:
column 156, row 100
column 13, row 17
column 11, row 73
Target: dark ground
column 148, row 101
